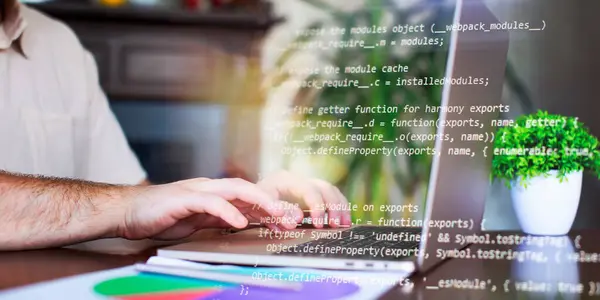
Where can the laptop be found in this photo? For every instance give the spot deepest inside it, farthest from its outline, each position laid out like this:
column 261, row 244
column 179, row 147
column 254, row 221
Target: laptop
column 456, row 191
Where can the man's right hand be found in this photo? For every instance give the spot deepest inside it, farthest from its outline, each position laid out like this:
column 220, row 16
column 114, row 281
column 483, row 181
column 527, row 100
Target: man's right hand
column 177, row 210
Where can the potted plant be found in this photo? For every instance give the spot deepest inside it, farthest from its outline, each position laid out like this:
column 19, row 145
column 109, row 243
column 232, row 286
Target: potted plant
column 541, row 158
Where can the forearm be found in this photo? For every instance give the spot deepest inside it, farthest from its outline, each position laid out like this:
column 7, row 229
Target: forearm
column 38, row 212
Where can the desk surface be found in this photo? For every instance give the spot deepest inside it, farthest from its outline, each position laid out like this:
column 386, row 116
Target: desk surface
column 497, row 276
column 542, row 268
column 21, row 268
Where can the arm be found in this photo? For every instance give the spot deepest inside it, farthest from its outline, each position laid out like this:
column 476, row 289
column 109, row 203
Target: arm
column 40, row 212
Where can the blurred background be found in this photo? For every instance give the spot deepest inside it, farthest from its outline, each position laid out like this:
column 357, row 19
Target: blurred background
column 182, row 77
column 199, row 85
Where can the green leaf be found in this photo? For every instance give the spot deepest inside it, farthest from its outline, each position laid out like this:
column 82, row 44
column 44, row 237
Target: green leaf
column 573, row 148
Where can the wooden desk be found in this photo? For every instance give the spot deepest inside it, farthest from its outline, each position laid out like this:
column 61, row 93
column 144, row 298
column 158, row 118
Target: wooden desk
column 501, row 276
column 25, row 267
column 20, row 268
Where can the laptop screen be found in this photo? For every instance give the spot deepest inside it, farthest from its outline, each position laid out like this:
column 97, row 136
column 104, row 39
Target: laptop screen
column 397, row 114
column 366, row 90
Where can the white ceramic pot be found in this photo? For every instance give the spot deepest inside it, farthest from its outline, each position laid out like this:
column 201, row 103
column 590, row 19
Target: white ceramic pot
column 547, row 206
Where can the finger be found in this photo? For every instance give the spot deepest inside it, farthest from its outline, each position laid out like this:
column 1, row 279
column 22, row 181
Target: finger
column 235, row 188
column 301, row 188
column 255, row 217
column 293, row 214
column 333, row 203
column 347, row 213
column 298, row 214
column 218, row 207
column 345, row 207
column 287, row 221
column 290, row 219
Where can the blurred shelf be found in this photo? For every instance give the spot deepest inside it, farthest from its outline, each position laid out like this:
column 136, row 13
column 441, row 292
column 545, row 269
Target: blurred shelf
column 259, row 18
column 169, row 54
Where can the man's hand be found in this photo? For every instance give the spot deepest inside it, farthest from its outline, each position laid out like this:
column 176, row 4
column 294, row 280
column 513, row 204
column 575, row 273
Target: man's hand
column 313, row 195
column 177, row 210
column 40, row 212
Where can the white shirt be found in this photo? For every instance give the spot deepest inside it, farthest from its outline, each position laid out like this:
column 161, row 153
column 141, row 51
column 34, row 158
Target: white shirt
column 54, row 118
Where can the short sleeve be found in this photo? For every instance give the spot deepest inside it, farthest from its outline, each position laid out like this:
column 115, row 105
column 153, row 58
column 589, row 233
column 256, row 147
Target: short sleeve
column 110, row 158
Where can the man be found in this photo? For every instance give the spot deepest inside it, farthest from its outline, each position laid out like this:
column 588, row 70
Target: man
column 55, row 121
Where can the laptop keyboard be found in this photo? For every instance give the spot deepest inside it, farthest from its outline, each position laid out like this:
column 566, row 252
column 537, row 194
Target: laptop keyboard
column 361, row 243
